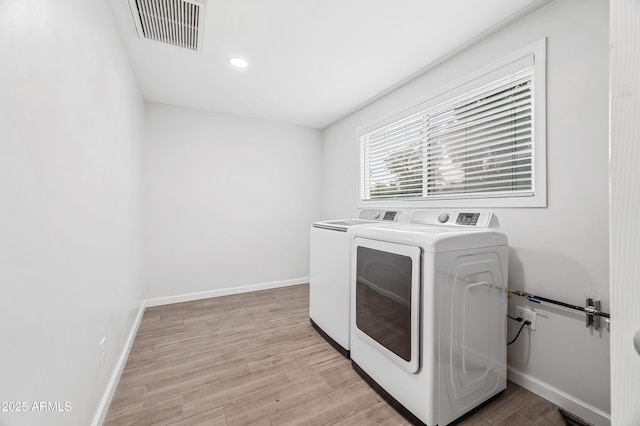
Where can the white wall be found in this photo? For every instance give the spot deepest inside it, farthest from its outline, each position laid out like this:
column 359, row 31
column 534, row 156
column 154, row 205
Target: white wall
column 229, row 201
column 560, row 251
column 71, row 125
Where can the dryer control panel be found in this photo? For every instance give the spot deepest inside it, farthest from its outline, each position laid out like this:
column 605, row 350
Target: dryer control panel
column 461, row 218
column 470, row 219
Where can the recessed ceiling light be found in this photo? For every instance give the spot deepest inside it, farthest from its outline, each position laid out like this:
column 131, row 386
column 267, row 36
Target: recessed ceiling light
column 239, row 62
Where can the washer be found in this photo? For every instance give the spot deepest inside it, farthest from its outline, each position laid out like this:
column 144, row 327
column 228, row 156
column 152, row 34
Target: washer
column 330, row 273
column 428, row 309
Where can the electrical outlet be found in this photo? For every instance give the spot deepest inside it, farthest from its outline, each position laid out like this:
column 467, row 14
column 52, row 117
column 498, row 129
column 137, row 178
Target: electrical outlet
column 103, row 348
column 527, row 315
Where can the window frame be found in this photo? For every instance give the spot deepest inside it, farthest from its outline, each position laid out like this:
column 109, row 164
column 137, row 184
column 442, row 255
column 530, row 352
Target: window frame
column 534, row 53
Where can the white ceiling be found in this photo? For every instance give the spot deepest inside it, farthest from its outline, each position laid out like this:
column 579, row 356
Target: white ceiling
column 311, row 62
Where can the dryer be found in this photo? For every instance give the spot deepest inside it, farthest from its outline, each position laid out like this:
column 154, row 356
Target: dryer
column 428, row 307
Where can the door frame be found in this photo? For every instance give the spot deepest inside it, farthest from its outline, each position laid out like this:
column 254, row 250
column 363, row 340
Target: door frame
column 624, row 208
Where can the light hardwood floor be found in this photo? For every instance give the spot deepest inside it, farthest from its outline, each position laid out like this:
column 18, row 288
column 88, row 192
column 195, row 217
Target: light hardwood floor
column 254, row 359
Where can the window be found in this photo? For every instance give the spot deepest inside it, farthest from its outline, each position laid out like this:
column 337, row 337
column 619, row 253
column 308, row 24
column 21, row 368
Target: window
column 482, row 141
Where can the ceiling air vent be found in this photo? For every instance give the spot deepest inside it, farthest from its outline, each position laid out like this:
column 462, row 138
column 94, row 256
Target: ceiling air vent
column 174, row 22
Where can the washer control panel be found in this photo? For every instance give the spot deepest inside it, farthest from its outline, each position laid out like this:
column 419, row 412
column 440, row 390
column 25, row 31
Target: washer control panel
column 390, row 215
column 384, row 215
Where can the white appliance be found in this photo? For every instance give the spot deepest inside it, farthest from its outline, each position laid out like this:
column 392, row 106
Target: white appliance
column 428, row 309
column 330, row 273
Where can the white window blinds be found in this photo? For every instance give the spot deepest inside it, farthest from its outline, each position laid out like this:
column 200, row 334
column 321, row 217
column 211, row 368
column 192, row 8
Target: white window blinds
column 479, row 144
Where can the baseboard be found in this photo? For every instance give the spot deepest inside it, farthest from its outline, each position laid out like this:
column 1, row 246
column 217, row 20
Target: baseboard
column 562, row 399
column 223, row 292
column 103, row 408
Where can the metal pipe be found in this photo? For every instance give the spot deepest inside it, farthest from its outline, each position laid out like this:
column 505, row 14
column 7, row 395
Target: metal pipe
column 538, row 299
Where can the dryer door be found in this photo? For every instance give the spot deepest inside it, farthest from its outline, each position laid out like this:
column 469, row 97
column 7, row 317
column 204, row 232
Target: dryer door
column 387, row 299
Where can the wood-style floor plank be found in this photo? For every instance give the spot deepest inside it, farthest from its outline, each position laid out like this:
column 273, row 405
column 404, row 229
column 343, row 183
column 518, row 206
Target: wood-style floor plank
column 254, row 359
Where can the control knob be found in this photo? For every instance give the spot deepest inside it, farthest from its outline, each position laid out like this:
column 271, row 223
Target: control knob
column 443, row 217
